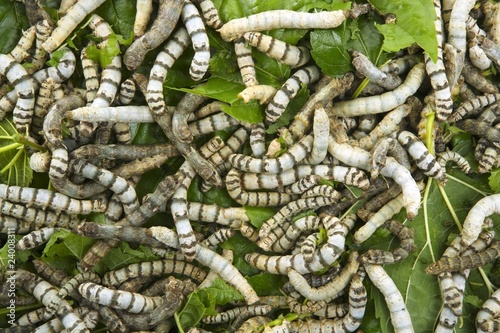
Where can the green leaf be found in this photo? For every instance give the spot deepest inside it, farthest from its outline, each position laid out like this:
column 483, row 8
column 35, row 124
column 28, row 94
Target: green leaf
column 105, row 55
column 14, row 160
column 120, row 14
column 12, row 19
column 202, row 302
column 267, row 284
column 241, row 246
column 259, row 215
column 360, row 35
column 123, row 255
column 494, row 180
column 415, row 24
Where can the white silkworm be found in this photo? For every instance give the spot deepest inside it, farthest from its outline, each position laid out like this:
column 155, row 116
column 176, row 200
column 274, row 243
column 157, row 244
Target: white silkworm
column 245, row 62
column 275, row 19
column 261, row 92
column 142, row 15
column 289, row 90
column 384, row 102
column 118, row 299
column 294, row 56
column 321, row 133
column 475, row 218
column 366, row 68
column 68, row 23
column 400, row 318
column 478, row 58
column 122, row 114
column 172, row 50
column 196, row 30
column 419, row 152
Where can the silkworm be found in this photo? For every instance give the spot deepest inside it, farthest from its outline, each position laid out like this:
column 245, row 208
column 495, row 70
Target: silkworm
column 20, row 51
column 123, row 151
column 400, row 318
column 43, row 101
column 325, row 255
column 231, row 314
column 24, row 89
column 471, row 106
column 488, row 311
column 215, row 122
column 127, row 91
column 326, row 93
column 261, row 92
column 360, row 158
column 401, row 65
column 406, row 246
column 68, row 23
column 481, row 128
column 488, row 160
column 245, row 62
column 127, row 114
column 330, row 290
column 35, row 238
column 274, row 165
column 276, row 19
column 303, row 184
column 45, row 198
column 461, row 162
column 490, row 48
column 142, row 15
column 153, row 268
column 474, row 77
column 321, row 133
column 43, row 31
column 182, row 111
column 425, row 161
column 168, row 12
column 478, row 58
column 366, row 68
column 14, row 224
column 45, row 292
column 289, row 90
column 384, row 102
column 294, row 56
column 196, row 30
column 118, row 299
column 252, row 324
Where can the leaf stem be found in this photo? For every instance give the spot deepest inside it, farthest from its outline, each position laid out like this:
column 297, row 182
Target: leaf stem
column 12, row 161
column 426, row 217
column 450, row 207
column 429, row 124
column 487, row 282
column 10, row 147
column 360, row 88
column 22, row 139
column 178, row 322
column 484, row 194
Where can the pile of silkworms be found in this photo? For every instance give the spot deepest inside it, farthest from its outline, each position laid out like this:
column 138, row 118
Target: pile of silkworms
column 375, row 142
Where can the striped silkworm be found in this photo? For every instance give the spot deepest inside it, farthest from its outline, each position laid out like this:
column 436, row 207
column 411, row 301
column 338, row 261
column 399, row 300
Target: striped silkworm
column 24, row 90
column 127, row 91
column 45, row 292
column 261, row 92
column 168, row 15
column 303, row 184
column 475, row 78
column 458, row 264
column 274, row 165
column 142, row 15
column 276, row 19
column 384, row 102
column 455, row 157
column 401, row 65
column 489, row 160
column 231, row 314
column 400, row 318
column 258, row 140
column 330, row 290
column 91, row 75
column 308, row 246
column 294, row 56
column 488, row 314
column 118, row 299
column 43, row 31
column 436, row 71
column 245, row 62
column 210, row 13
column 153, row 268
column 289, row 90
column 293, row 232
column 360, row 158
column 325, row 255
column 472, row 106
column 252, row 324
column 481, row 128
column 406, row 246
column 333, row 88
column 199, row 39
column 46, row 198
column 184, row 108
column 39, row 217
column 15, row 224
column 321, row 133
column 43, row 101
column 20, row 51
column 419, row 152
column 366, row 123
column 35, row 238
column 68, row 23
column 366, row 68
